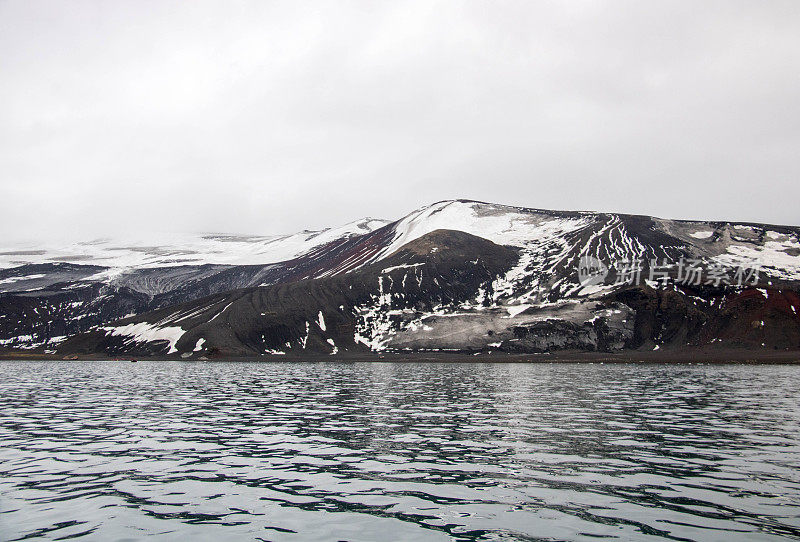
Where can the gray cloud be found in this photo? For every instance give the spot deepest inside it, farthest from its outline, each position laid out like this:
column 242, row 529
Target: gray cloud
column 271, row 117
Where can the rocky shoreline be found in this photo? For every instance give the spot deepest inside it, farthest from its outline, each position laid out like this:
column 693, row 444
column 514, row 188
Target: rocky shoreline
column 700, row 355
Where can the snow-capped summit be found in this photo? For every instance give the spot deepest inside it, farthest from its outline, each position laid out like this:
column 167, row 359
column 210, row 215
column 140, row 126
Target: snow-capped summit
column 501, row 224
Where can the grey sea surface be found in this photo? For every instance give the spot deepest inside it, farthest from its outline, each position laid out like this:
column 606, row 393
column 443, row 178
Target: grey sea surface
column 168, row 451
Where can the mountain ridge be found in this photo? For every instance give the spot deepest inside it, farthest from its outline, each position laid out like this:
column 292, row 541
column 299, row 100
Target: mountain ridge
column 42, row 304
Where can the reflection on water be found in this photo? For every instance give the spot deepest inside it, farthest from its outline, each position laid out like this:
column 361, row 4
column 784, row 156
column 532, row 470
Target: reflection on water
column 337, row 451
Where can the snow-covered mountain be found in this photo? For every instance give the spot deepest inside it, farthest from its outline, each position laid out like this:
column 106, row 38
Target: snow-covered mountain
column 168, row 250
column 606, row 236
column 407, row 285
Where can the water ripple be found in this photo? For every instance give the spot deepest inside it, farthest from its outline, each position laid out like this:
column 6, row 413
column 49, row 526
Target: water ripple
column 344, row 451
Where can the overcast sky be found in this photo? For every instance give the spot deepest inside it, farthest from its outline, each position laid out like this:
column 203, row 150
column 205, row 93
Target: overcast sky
column 269, row 117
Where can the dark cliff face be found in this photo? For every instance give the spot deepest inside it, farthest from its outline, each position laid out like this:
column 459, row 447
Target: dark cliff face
column 753, row 318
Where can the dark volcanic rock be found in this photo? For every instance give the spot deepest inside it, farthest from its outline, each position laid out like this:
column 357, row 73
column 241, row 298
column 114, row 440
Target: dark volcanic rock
column 445, row 289
column 451, row 266
column 747, row 318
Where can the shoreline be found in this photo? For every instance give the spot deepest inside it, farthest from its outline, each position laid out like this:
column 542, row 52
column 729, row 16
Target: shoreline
column 721, row 356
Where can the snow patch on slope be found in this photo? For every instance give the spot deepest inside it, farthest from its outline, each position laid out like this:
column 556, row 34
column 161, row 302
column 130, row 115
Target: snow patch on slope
column 144, row 332
column 775, row 258
column 10, row 280
column 321, row 321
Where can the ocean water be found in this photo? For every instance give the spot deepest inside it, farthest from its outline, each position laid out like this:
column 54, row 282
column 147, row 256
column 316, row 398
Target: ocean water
column 115, row 451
